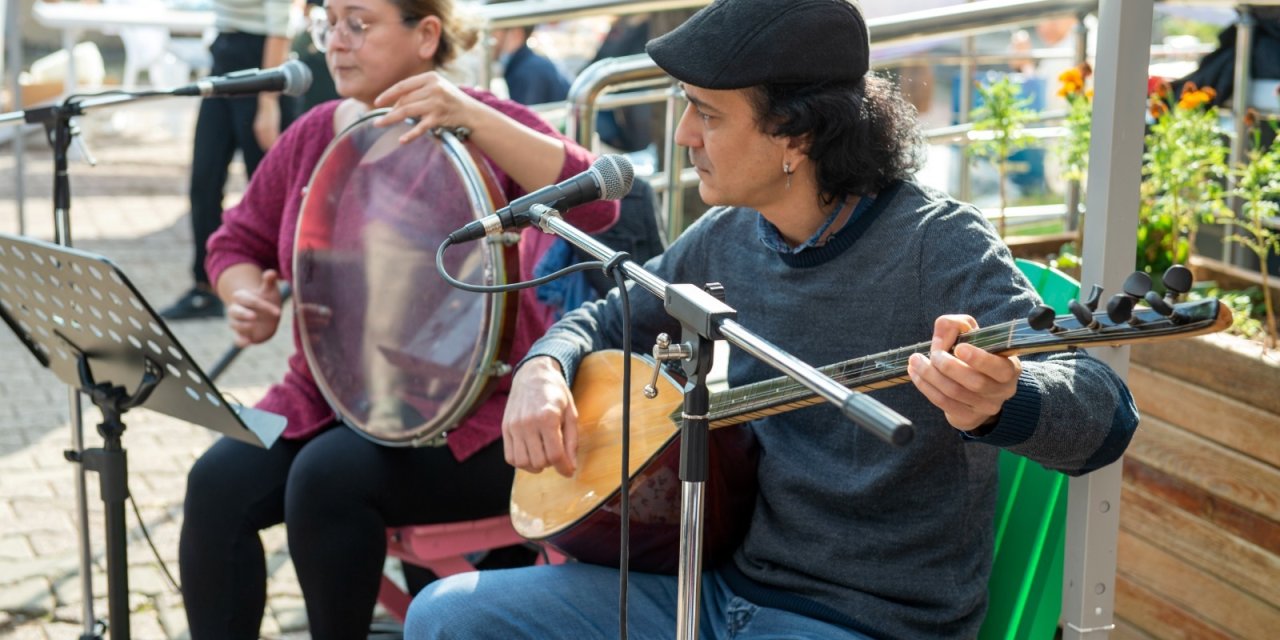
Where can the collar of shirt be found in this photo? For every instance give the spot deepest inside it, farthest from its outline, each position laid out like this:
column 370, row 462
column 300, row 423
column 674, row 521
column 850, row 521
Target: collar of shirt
column 772, row 238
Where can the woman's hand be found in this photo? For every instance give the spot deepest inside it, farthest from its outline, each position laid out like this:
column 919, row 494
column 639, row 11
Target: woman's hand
column 430, row 99
column 254, row 313
column 969, row 384
column 540, row 425
column 266, row 121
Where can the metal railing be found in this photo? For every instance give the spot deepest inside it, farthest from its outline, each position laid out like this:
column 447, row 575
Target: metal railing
column 592, row 89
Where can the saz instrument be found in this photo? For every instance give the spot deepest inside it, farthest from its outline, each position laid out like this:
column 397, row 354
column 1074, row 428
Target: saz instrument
column 580, row 515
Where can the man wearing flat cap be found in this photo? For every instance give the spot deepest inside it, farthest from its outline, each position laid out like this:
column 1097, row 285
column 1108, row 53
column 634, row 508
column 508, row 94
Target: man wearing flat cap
column 827, row 248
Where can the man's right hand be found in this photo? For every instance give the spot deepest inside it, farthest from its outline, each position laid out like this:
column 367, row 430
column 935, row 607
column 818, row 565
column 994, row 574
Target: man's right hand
column 540, row 425
column 254, row 313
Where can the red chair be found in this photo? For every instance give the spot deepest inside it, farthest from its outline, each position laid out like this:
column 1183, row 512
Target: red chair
column 442, row 548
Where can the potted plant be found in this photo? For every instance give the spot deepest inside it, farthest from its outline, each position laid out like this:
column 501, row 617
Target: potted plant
column 1004, row 114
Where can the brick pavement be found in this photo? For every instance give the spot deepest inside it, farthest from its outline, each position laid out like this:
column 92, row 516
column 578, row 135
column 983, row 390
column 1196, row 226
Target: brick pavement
column 130, row 208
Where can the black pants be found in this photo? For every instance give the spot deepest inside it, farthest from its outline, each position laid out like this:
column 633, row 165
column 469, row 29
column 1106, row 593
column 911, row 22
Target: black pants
column 337, row 494
column 223, row 126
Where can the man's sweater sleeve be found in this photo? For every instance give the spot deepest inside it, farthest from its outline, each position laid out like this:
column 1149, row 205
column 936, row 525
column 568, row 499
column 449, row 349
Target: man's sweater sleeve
column 1071, row 412
column 598, row 325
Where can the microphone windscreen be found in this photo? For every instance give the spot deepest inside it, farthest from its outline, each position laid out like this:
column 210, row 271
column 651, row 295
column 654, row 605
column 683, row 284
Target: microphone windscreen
column 297, row 78
column 616, row 175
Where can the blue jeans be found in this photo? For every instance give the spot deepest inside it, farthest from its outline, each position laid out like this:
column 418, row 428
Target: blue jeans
column 581, row 601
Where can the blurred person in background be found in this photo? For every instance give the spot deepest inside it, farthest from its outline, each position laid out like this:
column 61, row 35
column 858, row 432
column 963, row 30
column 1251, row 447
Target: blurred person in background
column 251, row 34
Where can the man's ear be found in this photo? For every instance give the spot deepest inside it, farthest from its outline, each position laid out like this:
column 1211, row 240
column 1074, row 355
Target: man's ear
column 795, row 150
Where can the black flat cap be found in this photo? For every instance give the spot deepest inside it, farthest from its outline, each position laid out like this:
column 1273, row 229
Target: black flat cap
column 733, row 44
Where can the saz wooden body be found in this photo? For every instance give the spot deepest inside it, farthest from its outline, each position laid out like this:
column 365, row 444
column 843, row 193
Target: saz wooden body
column 580, row 515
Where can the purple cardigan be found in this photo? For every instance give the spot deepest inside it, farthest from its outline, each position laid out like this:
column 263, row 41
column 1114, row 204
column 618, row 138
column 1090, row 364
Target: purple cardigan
column 260, row 230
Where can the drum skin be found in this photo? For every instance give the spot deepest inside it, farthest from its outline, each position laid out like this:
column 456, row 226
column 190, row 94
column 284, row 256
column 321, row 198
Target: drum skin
column 401, row 356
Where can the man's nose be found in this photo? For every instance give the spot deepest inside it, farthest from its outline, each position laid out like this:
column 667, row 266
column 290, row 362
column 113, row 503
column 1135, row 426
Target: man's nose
column 685, row 134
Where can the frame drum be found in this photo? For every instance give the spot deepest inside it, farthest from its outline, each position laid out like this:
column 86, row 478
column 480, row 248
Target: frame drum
column 401, row 356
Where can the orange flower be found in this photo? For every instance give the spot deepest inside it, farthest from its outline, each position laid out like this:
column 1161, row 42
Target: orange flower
column 1194, row 99
column 1158, row 87
column 1072, row 82
column 1158, row 107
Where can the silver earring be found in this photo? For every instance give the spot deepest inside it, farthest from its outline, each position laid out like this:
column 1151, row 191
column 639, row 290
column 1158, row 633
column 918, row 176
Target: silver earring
column 786, row 168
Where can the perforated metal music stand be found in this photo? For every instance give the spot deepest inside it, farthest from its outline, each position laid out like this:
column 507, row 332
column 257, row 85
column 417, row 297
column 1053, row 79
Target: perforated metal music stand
column 81, row 318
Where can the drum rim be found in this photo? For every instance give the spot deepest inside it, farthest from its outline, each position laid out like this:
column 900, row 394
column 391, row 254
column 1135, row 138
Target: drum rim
column 485, row 363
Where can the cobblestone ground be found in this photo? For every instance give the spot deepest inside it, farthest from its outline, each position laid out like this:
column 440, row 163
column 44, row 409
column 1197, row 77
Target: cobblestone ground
column 132, row 209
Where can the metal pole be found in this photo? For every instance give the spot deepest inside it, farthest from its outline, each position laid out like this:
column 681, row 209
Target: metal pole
column 1115, row 170
column 962, row 114
column 62, row 236
column 13, row 40
column 1073, row 185
column 1239, row 107
column 673, row 164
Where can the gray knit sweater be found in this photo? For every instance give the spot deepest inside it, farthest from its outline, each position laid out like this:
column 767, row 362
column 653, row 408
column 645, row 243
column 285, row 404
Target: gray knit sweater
column 893, row 542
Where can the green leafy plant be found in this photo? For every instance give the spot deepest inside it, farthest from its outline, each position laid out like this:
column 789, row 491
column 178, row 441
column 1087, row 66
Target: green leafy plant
column 1184, row 173
column 1005, row 115
column 1242, row 303
column 1074, row 150
column 1258, row 187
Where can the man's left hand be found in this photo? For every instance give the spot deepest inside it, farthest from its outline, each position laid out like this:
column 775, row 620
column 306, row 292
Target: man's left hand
column 969, row 384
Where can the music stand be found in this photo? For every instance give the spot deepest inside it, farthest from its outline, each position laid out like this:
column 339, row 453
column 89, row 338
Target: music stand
column 81, row 318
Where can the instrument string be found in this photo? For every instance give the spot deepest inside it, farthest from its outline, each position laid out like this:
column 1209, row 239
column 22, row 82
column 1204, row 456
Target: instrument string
column 887, row 368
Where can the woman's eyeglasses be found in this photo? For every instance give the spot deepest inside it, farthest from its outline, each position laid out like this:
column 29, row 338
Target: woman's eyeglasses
column 323, row 32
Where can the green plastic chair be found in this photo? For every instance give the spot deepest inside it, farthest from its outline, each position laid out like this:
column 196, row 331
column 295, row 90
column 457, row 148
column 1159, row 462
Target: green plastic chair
column 1025, row 591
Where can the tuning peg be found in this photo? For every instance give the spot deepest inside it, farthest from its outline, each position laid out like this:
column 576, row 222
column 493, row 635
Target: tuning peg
column 1158, row 304
column 1177, row 279
column 1041, row 318
column 1137, row 285
column 1120, row 308
column 1095, row 296
column 1083, row 313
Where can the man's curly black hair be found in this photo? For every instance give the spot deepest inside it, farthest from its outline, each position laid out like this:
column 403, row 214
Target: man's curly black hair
column 862, row 136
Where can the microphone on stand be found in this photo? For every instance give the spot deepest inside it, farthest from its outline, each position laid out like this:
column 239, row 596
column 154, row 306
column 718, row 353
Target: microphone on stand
column 609, row 178
column 292, row 78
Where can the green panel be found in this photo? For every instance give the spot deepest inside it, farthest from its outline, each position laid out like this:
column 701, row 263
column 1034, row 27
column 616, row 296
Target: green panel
column 1025, row 592
column 1055, row 287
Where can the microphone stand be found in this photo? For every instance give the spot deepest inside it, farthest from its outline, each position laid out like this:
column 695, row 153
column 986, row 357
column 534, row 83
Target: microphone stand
column 705, row 318
column 60, row 131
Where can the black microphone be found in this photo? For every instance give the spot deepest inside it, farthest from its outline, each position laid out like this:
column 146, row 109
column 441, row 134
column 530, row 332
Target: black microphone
column 609, row 178
column 292, row 78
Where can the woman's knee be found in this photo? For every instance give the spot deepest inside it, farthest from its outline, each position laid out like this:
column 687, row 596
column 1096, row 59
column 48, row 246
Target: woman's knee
column 234, row 484
column 331, row 475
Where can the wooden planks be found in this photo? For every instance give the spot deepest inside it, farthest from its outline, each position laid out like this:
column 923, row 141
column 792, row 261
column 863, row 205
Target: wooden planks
column 1220, row 364
column 1242, row 427
column 1196, row 600
column 1201, row 544
column 1199, row 547
column 1221, row 472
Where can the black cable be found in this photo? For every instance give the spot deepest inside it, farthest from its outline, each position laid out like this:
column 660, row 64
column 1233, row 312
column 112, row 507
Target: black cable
column 619, row 278
column 504, row 288
column 115, row 92
column 156, row 552
column 624, row 551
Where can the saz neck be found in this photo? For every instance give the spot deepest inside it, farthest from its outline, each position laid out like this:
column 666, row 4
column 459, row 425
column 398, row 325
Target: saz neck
column 889, row 368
